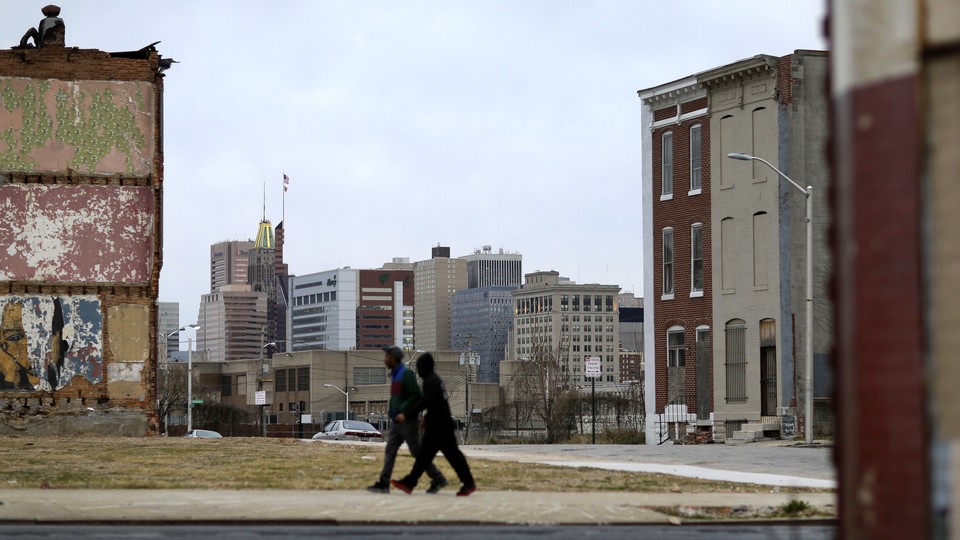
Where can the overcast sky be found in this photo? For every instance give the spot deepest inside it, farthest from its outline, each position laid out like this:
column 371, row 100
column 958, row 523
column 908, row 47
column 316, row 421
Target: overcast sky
column 403, row 125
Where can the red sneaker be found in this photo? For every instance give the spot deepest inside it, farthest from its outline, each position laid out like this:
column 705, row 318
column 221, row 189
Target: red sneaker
column 401, row 486
column 465, row 490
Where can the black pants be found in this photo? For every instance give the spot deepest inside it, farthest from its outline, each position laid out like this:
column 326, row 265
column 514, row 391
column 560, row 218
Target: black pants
column 439, row 441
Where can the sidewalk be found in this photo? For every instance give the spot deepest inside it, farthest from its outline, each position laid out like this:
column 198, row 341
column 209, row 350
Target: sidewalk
column 772, row 465
column 353, row 507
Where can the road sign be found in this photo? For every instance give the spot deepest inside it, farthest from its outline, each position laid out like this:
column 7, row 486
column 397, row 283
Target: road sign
column 197, row 402
column 592, row 366
column 261, row 397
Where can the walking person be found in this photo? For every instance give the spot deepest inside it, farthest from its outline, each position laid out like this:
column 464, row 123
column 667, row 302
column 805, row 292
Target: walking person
column 438, row 435
column 404, row 393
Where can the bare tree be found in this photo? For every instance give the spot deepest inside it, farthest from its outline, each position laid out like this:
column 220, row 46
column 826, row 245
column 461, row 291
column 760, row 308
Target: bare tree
column 171, row 391
column 542, row 378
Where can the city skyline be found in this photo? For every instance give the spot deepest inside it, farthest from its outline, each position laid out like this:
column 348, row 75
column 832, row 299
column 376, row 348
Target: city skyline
column 515, row 125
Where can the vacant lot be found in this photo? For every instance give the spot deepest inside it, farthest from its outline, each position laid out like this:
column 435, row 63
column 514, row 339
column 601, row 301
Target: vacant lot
column 256, row 463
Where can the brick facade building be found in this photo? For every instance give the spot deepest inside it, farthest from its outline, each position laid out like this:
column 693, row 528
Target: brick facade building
column 81, row 184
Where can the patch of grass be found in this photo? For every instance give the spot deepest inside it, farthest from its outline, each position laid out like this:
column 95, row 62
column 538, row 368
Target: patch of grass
column 262, row 463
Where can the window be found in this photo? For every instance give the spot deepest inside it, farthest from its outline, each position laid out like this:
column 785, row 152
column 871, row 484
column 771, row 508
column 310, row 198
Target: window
column 668, row 261
column 280, row 384
column 675, row 347
column 303, row 378
column 667, row 165
column 727, row 255
column 695, row 165
column 761, row 248
column 226, row 385
column 736, row 360
column 696, row 258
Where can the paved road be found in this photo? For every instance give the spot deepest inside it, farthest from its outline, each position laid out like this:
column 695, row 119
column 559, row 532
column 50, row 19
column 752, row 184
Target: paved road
column 460, row 532
column 765, row 458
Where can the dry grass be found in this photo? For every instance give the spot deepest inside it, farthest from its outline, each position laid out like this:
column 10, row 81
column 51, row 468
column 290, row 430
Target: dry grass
column 254, row 463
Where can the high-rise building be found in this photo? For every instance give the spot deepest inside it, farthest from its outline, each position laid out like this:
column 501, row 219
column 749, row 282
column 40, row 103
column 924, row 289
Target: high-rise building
column 480, row 322
column 168, row 322
column 435, row 279
column 233, row 324
column 229, row 262
column 488, row 269
column 262, row 274
column 565, row 322
column 323, row 310
column 385, row 311
column 283, row 277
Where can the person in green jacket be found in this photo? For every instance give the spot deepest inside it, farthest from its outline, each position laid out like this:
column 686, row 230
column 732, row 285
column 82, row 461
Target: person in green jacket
column 404, row 393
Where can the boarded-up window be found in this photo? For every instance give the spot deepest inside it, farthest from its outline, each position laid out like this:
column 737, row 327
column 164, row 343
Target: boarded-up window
column 303, row 378
column 761, row 248
column 369, row 375
column 727, row 256
column 736, row 361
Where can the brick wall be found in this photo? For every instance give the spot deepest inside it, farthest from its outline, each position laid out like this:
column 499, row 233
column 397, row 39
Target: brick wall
column 680, row 213
column 121, row 389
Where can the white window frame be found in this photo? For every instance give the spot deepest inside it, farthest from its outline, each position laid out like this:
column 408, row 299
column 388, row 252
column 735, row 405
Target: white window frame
column 696, row 155
column 671, row 361
column 694, row 291
column 666, row 165
column 664, row 264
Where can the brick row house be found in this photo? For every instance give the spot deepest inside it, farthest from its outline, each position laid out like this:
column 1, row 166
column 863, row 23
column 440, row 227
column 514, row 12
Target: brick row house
column 725, row 248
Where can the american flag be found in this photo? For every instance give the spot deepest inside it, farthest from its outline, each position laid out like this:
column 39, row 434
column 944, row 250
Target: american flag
column 286, row 181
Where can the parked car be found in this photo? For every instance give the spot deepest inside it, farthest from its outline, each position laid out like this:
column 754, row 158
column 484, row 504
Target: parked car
column 349, row 430
column 203, row 434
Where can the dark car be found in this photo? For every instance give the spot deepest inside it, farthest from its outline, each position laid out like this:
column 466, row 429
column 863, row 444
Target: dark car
column 349, row 430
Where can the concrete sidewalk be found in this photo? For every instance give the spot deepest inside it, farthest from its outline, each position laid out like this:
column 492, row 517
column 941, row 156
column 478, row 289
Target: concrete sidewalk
column 773, row 465
column 352, row 507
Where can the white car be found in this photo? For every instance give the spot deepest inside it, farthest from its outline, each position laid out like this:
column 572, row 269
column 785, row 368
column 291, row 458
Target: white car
column 349, row 430
column 203, row 434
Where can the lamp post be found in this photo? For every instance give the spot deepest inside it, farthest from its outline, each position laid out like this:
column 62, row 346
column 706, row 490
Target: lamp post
column 346, row 393
column 808, row 369
column 189, row 371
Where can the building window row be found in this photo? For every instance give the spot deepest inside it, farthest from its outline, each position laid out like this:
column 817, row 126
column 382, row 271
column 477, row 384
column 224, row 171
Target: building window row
column 667, row 163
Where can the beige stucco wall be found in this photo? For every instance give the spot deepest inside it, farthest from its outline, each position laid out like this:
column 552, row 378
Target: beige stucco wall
column 740, row 190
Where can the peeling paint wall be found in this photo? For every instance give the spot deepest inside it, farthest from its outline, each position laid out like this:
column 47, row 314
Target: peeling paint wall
column 88, row 127
column 76, row 234
column 81, row 189
column 47, row 341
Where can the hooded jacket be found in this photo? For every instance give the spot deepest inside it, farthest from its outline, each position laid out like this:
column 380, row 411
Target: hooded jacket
column 434, row 398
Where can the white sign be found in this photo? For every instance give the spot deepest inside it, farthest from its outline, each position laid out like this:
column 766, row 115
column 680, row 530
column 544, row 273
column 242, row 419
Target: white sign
column 261, row 398
column 592, row 366
column 306, row 419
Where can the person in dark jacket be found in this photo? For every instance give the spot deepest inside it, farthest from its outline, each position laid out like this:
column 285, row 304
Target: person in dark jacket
column 404, row 392
column 438, row 435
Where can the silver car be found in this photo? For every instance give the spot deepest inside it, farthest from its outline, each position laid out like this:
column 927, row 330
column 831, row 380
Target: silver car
column 349, row 430
column 203, row 434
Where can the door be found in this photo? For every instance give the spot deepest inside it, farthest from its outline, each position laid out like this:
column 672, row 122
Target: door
column 768, row 381
column 768, row 367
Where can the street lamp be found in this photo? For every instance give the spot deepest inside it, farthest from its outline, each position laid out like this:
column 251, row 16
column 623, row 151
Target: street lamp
column 808, row 371
column 346, row 410
column 189, row 372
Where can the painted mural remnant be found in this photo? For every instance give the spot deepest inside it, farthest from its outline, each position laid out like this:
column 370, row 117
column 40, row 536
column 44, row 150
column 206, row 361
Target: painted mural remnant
column 87, row 127
column 46, row 340
column 76, row 234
